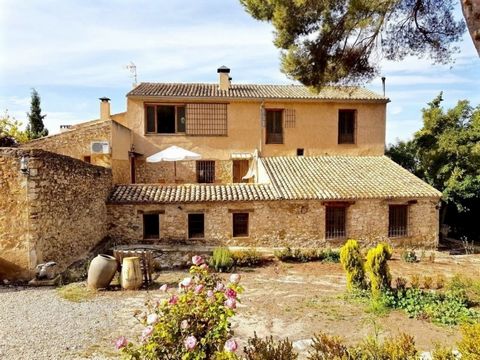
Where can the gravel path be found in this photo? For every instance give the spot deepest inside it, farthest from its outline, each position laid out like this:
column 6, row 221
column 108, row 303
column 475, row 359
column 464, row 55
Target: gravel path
column 35, row 323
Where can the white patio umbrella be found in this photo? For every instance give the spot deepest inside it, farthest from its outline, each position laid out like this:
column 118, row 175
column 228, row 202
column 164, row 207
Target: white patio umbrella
column 173, row 153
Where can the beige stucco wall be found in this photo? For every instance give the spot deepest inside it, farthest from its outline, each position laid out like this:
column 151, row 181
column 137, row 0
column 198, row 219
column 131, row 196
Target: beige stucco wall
column 277, row 223
column 57, row 212
column 316, row 130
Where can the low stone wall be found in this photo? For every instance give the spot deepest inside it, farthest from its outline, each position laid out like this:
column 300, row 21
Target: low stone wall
column 276, row 223
column 56, row 212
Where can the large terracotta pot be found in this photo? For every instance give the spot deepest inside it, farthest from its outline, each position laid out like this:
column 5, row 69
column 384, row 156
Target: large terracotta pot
column 131, row 273
column 101, row 271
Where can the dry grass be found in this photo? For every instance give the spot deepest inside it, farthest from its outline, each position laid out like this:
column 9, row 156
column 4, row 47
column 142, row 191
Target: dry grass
column 75, row 292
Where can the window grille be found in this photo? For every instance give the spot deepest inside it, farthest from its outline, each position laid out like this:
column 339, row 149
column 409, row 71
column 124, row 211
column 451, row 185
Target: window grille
column 240, row 224
column 206, row 119
column 335, row 222
column 397, row 220
column 346, row 126
column 205, row 171
column 289, row 118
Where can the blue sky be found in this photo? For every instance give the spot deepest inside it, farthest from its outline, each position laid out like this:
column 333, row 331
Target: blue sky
column 74, row 52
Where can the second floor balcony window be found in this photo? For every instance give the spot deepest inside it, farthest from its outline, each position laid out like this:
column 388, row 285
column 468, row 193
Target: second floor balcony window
column 165, row 119
column 274, row 124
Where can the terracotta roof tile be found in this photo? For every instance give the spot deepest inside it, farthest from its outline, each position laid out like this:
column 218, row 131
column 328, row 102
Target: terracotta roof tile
column 246, row 91
column 344, row 177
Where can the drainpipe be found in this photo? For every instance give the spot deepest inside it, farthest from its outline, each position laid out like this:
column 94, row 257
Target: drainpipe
column 262, row 123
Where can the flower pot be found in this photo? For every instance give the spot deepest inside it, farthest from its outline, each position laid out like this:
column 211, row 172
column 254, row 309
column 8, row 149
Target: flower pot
column 131, row 273
column 101, row 271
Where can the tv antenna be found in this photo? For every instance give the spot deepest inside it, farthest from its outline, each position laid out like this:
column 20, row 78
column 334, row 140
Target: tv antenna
column 133, row 71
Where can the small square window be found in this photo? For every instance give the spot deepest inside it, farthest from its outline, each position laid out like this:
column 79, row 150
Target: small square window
column 151, row 226
column 240, row 224
column 300, row 152
column 196, row 226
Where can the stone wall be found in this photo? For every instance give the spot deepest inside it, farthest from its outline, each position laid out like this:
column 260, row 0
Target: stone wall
column 56, row 212
column 276, row 223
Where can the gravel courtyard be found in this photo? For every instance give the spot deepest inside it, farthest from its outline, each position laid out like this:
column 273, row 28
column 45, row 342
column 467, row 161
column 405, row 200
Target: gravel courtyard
column 283, row 300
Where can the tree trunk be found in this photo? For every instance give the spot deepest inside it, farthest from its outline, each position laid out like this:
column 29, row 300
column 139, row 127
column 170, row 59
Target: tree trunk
column 471, row 12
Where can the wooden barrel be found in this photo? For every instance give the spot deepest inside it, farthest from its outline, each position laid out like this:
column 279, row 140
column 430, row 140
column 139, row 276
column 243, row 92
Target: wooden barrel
column 101, row 271
column 131, row 273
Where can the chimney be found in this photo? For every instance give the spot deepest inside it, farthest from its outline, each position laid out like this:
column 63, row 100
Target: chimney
column 383, row 84
column 224, row 77
column 104, row 108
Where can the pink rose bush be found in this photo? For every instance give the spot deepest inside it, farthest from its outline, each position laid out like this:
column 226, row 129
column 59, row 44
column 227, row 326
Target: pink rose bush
column 191, row 323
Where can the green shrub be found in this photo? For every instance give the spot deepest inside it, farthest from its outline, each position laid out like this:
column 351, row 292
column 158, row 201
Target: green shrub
column 352, row 262
column 469, row 345
column 330, row 256
column 297, row 255
column 409, row 256
column 377, row 268
column 443, row 353
column 269, row 349
column 221, row 259
column 246, row 258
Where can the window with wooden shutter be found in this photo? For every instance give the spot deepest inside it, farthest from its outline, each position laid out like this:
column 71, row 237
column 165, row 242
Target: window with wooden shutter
column 274, row 126
column 397, row 220
column 240, row 169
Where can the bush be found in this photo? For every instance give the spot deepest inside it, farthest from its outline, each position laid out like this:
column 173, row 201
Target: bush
column 326, row 347
column 352, row 262
column 191, row 324
column 377, row 268
column 269, row 349
column 331, row 256
column 469, row 345
column 409, row 256
column 298, row 255
column 221, row 259
column 246, row 258
column 443, row 353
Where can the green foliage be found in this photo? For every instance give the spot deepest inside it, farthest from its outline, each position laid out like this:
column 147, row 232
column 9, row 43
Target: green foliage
column 469, row 345
column 221, row 259
column 269, row 349
column 332, row 41
column 192, row 325
column 443, row 353
column 409, row 256
column 301, row 255
column 331, row 256
column 35, row 127
column 353, row 263
column 246, row 258
column 10, row 133
column 377, row 268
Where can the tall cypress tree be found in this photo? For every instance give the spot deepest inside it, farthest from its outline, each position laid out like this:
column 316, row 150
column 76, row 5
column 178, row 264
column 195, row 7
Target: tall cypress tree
column 35, row 127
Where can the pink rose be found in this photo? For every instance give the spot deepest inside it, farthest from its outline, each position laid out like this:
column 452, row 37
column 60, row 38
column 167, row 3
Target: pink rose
column 235, row 278
column 164, row 288
column 204, row 266
column 121, row 342
column 173, row 300
column 219, row 287
column 197, row 260
column 230, row 303
column 230, row 293
column 199, row 288
column 231, row 345
column 185, row 283
column 152, row 319
column 190, row 342
column 147, row 332
column 184, row 324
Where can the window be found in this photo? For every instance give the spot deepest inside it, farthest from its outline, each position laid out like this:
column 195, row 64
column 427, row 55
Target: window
column 206, row 171
column 207, row 120
column 335, row 221
column 274, row 126
column 240, row 169
column 240, row 224
column 300, row 152
column 196, row 227
column 87, row 159
column 397, row 220
column 151, row 226
column 165, row 119
column 346, row 126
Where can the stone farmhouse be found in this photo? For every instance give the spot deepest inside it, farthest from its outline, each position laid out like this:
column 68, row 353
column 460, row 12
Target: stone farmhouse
column 280, row 166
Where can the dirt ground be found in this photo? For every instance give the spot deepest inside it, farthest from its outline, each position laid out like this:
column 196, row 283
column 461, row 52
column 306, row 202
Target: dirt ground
column 294, row 301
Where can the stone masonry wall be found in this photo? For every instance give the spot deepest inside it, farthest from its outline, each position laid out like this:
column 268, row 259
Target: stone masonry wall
column 276, row 223
column 64, row 214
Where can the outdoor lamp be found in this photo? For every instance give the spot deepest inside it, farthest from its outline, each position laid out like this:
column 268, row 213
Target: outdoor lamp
column 24, row 165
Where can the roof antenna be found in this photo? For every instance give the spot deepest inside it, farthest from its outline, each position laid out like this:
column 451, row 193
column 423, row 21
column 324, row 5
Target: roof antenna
column 133, row 70
column 383, row 84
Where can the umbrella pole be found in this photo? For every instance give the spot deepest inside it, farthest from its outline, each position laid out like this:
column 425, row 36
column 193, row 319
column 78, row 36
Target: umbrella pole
column 175, row 171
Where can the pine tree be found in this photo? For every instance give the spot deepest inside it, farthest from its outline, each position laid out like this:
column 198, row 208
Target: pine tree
column 35, row 127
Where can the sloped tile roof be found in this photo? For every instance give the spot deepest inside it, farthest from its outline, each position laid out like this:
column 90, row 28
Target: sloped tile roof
column 246, row 91
column 344, row 177
column 295, row 178
column 187, row 193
